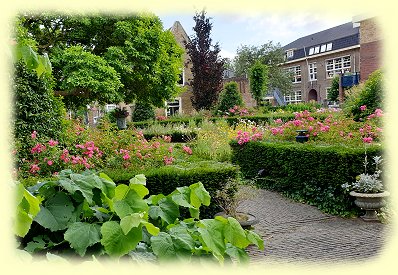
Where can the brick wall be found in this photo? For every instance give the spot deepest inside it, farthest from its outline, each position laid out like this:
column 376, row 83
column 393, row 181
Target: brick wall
column 244, row 89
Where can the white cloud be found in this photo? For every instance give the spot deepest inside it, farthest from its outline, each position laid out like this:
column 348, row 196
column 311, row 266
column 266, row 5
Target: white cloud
column 227, row 54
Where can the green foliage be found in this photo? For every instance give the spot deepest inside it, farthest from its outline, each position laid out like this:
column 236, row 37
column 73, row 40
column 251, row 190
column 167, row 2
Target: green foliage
column 147, row 58
column 121, row 220
column 230, row 97
column 213, row 175
column 36, row 108
column 305, row 172
column 207, row 66
column 258, row 76
column 269, row 54
column 143, row 111
column 85, row 77
column 370, row 94
column 27, row 209
column 333, row 94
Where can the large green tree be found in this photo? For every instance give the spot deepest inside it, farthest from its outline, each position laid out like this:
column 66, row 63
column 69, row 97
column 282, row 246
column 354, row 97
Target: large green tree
column 269, row 54
column 132, row 54
column 207, row 66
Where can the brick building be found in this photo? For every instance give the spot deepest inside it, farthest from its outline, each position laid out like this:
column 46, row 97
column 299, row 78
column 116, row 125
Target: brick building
column 370, row 38
column 315, row 59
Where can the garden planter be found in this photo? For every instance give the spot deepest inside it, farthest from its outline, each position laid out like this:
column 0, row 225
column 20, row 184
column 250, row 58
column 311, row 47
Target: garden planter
column 246, row 220
column 121, row 123
column 302, row 136
column 370, row 202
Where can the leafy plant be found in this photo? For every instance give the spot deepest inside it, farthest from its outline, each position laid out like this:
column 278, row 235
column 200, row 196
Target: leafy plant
column 258, row 81
column 91, row 215
column 229, row 97
column 367, row 183
column 143, row 111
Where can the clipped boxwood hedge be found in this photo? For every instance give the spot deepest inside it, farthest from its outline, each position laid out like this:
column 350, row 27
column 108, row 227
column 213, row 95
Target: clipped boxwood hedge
column 305, row 172
column 213, row 175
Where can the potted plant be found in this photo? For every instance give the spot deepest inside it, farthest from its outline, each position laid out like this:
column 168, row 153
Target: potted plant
column 231, row 196
column 368, row 191
column 121, row 115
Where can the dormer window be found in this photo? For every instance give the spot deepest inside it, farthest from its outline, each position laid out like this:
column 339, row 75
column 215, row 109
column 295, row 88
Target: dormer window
column 329, row 46
column 311, row 51
column 289, row 53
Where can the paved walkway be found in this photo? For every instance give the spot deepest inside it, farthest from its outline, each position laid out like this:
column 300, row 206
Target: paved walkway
column 296, row 233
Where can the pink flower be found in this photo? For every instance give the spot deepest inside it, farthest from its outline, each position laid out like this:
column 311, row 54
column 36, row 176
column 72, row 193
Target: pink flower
column 310, row 118
column 170, row 149
column 379, row 112
column 314, row 134
column 310, row 128
column 350, row 135
column 278, row 121
column 79, row 146
column 168, row 160
column 167, row 138
column 187, row 150
column 34, row 168
column 325, row 128
column 50, row 162
column 341, row 133
column 38, row 148
column 52, row 142
column 297, row 122
column 34, row 134
column 362, row 108
column 126, row 156
column 367, row 139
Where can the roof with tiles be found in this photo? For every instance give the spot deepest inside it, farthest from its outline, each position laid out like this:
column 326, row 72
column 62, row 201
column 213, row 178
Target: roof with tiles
column 339, row 37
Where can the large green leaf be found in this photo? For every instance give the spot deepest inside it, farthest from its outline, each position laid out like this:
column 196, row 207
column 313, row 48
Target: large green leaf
column 166, row 209
column 138, row 179
column 199, row 195
column 131, row 203
column 78, row 185
column 255, row 239
column 82, row 235
column 235, row 234
column 212, row 237
column 56, row 213
column 162, row 246
column 115, row 242
column 130, row 221
column 237, row 253
column 28, row 208
column 140, row 189
column 181, row 238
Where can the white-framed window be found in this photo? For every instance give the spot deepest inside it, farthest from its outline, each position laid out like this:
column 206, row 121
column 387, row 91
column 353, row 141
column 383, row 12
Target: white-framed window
column 110, row 107
column 311, row 51
column 316, row 50
column 338, row 65
column 327, row 92
column 173, row 107
column 293, row 97
column 323, row 48
column 312, row 71
column 329, row 46
column 289, row 53
column 296, row 73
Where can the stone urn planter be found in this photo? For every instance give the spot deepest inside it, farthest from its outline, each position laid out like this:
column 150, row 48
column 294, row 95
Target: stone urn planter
column 246, row 220
column 370, row 202
column 121, row 123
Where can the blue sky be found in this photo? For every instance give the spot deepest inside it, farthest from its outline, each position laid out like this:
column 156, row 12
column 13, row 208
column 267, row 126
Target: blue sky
column 232, row 30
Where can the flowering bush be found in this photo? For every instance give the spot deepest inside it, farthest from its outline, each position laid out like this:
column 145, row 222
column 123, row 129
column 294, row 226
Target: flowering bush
column 367, row 183
column 97, row 148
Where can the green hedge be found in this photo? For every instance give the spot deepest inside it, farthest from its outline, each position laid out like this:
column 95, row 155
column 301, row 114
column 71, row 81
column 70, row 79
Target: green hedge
column 213, row 175
column 259, row 119
column 305, row 172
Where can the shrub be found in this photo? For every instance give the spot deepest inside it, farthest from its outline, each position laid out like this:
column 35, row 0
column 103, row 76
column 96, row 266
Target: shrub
column 333, row 94
column 213, row 175
column 230, row 97
column 86, row 214
column 36, row 108
column 305, row 172
column 143, row 111
column 364, row 99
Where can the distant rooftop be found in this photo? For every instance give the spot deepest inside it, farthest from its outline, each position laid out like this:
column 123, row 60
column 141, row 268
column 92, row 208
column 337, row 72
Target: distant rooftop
column 325, row 36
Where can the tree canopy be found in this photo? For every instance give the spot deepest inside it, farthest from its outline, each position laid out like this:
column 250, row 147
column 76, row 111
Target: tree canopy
column 207, row 66
column 258, row 76
column 269, row 54
column 117, row 58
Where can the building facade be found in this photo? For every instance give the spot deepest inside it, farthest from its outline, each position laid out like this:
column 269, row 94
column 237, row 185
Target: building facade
column 314, row 60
